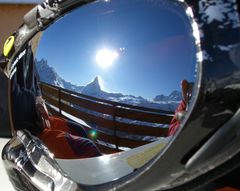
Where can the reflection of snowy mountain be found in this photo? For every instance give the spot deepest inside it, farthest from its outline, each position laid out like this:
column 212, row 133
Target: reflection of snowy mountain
column 93, row 89
column 159, row 102
column 174, row 96
column 47, row 74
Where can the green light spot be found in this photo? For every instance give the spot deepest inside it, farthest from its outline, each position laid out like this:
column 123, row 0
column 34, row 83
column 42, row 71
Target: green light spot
column 93, row 134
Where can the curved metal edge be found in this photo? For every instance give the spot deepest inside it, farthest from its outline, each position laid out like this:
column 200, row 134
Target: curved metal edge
column 27, row 158
column 224, row 143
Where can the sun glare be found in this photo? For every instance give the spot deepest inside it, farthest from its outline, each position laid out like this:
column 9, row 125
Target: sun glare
column 105, row 57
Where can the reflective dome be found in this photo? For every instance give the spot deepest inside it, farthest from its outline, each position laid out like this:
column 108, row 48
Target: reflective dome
column 124, row 90
column 115, row 68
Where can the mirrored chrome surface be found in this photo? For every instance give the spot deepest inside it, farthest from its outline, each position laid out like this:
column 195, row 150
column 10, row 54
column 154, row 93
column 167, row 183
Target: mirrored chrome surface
column 119, row 70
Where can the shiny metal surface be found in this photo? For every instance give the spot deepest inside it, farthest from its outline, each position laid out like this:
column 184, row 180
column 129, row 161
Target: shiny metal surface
column 6, row 184
column 137, row 63
column 29, row 164
column 214, row 105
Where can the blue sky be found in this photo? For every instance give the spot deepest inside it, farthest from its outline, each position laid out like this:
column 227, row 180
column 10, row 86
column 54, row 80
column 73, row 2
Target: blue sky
column 154, row 44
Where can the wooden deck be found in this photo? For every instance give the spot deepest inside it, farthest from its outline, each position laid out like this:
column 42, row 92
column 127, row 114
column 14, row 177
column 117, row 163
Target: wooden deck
column 108, row 119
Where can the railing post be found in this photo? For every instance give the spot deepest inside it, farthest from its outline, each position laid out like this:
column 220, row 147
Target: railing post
column 115, row 127
column 59, row 102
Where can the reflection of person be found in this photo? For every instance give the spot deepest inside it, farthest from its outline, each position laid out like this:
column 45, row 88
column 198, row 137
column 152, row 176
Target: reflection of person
column 181, row 109
column 64, row 138
column 4, row 117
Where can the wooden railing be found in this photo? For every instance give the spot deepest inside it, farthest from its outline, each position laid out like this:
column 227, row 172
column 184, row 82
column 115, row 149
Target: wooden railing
column 62, row 101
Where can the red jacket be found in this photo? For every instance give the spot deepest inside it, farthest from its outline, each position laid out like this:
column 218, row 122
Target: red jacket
column 175, row 123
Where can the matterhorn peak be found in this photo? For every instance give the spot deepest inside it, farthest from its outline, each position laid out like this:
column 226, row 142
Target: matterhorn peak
column 95, row 83
column 93, row 88
column 96, row 80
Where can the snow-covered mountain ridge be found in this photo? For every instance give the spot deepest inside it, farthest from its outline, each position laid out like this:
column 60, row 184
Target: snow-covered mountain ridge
column 48, row 75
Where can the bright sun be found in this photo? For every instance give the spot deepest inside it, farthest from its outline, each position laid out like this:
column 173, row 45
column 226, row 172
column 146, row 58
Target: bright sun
column 105, row 57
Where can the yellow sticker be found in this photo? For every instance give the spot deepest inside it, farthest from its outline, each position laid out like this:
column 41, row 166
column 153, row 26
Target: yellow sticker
column 138, row 160
column 8, row 45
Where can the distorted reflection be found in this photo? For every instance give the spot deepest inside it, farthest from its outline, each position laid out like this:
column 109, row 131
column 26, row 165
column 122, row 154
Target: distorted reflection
column 109, row 73
column 182, row 108
column 65, row 138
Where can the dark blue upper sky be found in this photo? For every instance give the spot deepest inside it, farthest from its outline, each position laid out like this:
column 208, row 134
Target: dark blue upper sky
column 154, row 44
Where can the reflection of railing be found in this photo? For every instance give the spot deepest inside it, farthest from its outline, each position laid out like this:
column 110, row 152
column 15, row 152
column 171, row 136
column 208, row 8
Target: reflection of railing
column 92, row 109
